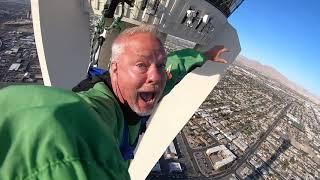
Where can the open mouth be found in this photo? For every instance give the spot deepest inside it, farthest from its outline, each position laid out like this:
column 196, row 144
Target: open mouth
column 147, row 97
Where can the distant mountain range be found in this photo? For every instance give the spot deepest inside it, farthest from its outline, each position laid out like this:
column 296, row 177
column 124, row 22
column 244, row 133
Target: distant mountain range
column 274, row 74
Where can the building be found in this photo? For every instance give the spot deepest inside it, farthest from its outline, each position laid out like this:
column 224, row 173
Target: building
column 213, row 132
column 229, row 135
column 15, row 49
column 175, row 167
column 14, row 67
column 171, row 152
column 38, row 76
column 240, row 144
column 156, row 168
column 292, row 118
column 220, row 156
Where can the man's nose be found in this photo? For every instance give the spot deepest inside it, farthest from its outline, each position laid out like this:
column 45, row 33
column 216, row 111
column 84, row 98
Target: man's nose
column 154, row 75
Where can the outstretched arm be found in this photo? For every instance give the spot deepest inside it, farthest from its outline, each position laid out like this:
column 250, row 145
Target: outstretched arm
column 180, row 63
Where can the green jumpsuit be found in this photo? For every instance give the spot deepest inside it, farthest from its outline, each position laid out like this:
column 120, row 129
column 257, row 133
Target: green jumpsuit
column 49, row 133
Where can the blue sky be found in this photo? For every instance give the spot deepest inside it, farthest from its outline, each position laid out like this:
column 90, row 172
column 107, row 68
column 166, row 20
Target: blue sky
column 284, row 34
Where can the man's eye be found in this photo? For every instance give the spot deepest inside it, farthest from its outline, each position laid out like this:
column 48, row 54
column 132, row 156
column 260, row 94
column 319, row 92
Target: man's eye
column 161, row 66
column 142, row 67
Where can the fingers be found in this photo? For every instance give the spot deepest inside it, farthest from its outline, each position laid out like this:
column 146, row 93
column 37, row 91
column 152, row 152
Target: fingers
column 215, row 53
column 224, row 50
column 168, row 71
column 217, row 57
column 220, row 60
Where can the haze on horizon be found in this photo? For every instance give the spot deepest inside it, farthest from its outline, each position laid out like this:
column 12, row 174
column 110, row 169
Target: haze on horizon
column 283, row 35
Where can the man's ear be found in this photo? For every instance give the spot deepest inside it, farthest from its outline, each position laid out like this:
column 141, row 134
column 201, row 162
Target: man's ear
column 113, row 67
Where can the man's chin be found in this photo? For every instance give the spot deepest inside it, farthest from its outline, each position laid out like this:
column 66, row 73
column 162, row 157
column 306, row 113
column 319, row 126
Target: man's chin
column 142, row 112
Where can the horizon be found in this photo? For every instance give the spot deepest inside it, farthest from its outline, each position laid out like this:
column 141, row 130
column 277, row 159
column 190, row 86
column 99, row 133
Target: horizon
column 269, row 66
column 282, row 35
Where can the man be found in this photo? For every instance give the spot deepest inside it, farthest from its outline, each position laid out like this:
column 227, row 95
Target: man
column 48, row 133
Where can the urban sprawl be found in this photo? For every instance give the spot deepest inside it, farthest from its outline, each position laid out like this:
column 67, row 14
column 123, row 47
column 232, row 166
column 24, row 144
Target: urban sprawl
column 18, row 55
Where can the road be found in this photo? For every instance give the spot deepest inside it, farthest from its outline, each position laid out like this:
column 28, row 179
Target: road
column 253, row 148
column 243, row 158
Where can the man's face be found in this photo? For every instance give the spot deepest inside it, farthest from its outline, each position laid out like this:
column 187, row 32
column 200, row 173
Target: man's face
column 140, row 74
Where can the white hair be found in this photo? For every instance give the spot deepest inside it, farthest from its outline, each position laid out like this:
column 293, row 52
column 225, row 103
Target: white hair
column 118, row 44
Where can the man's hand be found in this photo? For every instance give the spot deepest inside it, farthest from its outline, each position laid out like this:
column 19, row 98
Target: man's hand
column 214, row 54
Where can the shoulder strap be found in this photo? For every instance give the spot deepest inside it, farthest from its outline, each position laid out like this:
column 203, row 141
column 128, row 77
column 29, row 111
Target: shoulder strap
column 94, row 76
column 126, row 149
